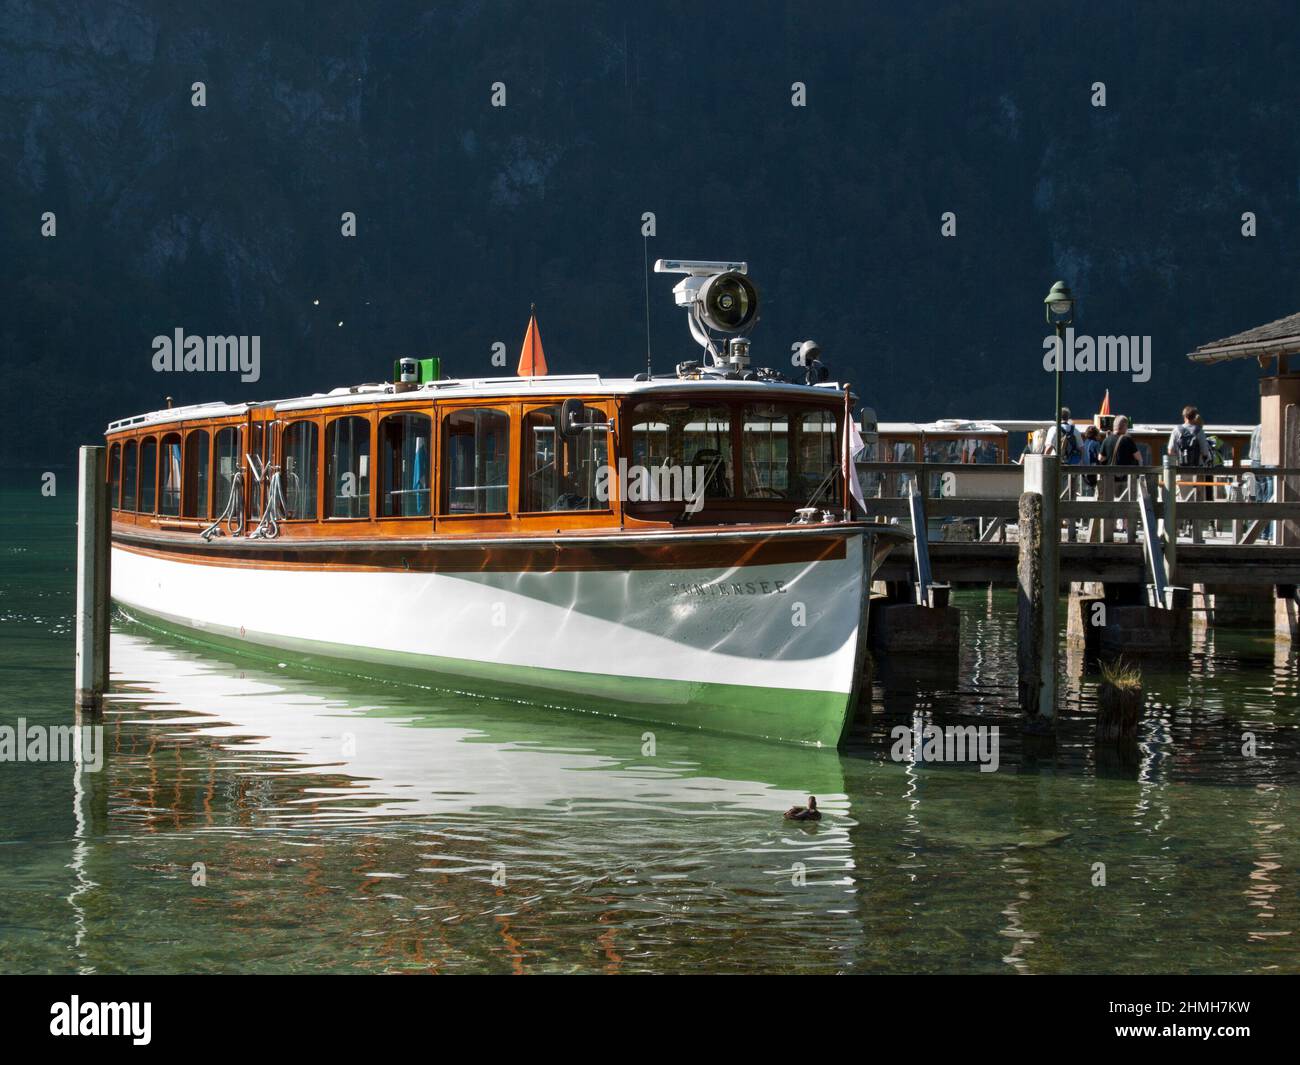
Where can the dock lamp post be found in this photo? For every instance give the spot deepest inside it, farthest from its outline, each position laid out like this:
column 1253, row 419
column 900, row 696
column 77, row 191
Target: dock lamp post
column 1060, row 313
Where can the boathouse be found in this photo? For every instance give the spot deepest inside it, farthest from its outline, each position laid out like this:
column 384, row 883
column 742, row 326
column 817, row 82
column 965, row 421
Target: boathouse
column 1276, row 347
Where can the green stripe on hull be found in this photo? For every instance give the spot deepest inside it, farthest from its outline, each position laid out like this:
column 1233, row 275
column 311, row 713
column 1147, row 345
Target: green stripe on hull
column 817, row 718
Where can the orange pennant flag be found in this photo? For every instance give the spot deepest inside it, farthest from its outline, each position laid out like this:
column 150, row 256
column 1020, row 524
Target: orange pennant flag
column 532, row 360
column 1105, row 404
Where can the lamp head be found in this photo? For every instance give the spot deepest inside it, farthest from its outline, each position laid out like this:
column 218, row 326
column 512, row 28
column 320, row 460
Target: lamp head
column 1060, row 305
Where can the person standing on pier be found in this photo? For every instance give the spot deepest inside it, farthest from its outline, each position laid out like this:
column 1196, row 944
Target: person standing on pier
column 1071, row 448
column 1187, row 443
column 1091, row 453
column 1120, row 449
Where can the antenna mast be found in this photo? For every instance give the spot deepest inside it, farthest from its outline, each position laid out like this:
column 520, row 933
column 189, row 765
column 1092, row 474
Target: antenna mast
column 645, row 258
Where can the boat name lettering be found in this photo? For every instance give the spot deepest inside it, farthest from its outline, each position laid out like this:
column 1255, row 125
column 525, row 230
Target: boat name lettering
column 717, row 589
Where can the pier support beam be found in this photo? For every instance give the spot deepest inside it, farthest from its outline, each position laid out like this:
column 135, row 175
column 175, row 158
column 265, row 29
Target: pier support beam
column 917, row 618
column 91, row 671
column 1286, row 615
column 909, row 628
column 1085, row 616
column 1217, row 606
column 1138, row 629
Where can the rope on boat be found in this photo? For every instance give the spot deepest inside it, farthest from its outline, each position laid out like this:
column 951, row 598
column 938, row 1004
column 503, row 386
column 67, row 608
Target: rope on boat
column 233, row 514
column 276, row 509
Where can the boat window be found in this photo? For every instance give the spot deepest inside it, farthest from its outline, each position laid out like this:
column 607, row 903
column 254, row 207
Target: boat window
column 227, row 465
column 678, row 436
column 115, row 477
column 129, row 475
column 943, row 450
column 476, row 464
column 298, row 472
column 789, row 452
column 148, row 494
column 560, row 473
column 196, row 474
column 816, row 468
column 404, row 441
column 169, row 496
column 260, row 451
column 347, row 468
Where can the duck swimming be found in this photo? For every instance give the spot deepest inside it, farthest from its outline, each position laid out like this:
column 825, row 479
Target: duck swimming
column 804, row 813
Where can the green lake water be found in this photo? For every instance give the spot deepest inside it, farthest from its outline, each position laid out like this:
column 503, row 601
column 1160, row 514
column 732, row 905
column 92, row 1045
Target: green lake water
column 253, row 816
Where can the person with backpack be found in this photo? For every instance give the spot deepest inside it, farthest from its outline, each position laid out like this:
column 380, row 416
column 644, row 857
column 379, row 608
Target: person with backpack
column 1187, row 443
column 1091, row 452
column 1071, row 446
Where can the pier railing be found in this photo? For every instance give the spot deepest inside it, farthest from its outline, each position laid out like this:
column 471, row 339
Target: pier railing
column 965, row 502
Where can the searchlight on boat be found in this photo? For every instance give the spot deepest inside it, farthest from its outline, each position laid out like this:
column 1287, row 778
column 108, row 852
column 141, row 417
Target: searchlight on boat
column 718, row 297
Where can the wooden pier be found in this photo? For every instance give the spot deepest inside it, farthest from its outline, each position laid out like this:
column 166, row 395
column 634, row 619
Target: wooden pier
column 972, row 536
column 1138, row 549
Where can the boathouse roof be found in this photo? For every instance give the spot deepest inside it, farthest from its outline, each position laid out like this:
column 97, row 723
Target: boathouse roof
column 1281, row 337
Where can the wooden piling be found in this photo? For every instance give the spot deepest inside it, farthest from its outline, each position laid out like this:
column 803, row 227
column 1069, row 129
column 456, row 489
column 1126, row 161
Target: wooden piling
column 1038, row 578
column 1029, row 603
column 91, row 671
column 1119, row 703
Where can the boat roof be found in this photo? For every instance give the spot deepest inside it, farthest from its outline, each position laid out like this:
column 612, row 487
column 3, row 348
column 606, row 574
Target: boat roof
column 560, row 385
column 1027, row 425
column 947, row 425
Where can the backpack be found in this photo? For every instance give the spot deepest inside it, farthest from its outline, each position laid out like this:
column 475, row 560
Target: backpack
column 1191, row 447
column 1068, row 444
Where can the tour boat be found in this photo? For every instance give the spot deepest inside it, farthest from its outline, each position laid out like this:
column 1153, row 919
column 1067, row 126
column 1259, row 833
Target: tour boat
column 671, row 549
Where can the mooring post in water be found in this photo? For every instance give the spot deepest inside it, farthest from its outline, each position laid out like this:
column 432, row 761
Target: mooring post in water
column 1029, row 601
column 92, row 581
column 1039, row 585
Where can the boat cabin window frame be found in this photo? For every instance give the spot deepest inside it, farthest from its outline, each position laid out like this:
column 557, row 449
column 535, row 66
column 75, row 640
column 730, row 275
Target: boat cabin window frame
column 383, row 471
column 114, row 475
column 794, row 413
column 131, row 475
column 734, row 503
column 219, row 482
column 170, row 462
column 147, row 505
column 507, row 415
column 311, row 514
column 598, row 410
column 196, row 474
column 355, row 460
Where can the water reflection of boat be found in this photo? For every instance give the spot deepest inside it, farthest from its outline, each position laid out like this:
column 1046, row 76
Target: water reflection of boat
column 393, row 749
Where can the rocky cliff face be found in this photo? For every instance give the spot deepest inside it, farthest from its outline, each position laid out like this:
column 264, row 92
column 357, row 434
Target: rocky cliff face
column 227, row 218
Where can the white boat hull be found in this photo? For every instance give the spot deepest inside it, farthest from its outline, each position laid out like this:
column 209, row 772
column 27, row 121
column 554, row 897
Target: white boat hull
column 772, row 650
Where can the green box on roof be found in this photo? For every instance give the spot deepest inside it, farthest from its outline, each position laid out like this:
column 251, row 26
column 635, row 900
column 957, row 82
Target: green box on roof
column 426, row 370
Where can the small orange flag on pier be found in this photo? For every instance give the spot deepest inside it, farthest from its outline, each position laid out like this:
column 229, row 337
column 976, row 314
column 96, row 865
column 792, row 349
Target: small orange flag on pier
column 532, row 360
column 1105, row 404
